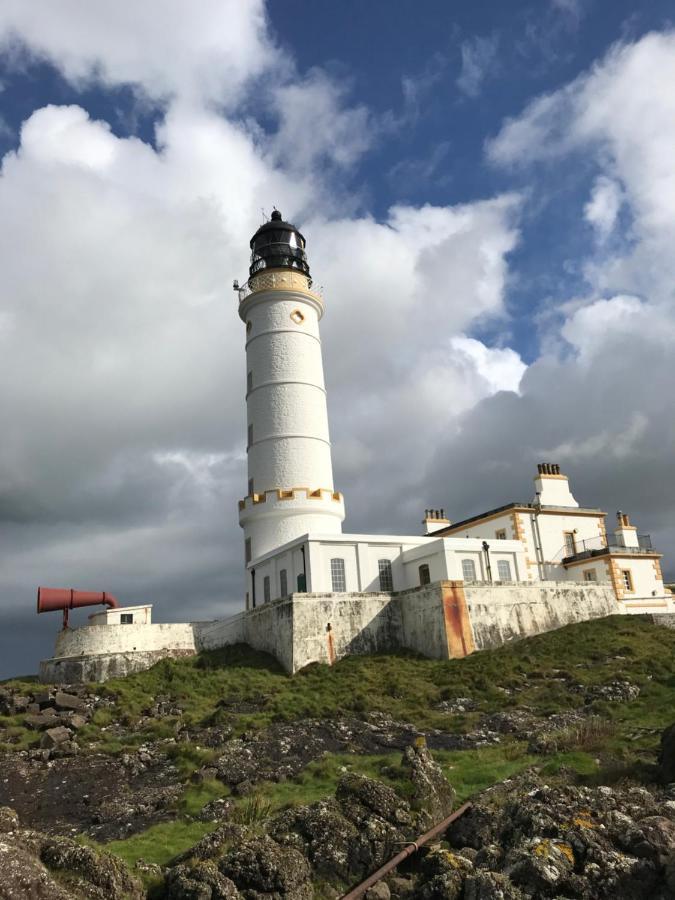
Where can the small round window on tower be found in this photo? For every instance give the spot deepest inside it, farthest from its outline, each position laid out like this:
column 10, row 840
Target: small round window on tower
column 297, row 317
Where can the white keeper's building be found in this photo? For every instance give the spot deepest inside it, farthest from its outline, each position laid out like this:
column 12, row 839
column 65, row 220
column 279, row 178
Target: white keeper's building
column 292, row 514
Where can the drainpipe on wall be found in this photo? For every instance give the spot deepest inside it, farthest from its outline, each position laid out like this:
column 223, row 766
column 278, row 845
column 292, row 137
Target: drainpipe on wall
column 538, row 550
column 253, row 588
column 302, row 584
column 488, row 567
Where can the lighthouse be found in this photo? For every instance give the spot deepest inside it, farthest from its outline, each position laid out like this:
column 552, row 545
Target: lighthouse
column 290, row 472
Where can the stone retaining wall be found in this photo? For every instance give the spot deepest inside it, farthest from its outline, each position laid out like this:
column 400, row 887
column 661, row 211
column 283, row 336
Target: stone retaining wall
column 444, row 620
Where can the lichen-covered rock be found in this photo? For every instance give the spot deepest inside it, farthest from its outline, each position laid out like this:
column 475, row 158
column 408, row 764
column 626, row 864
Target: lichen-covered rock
column 107, row 874
column 199, row 881
column 216, row 842
column 432, row 793
column 490, row 886
column 569, row 841
column 33, row 865
column 322, row 834
column 260, row 867
column 442, row 876
column 9, row 820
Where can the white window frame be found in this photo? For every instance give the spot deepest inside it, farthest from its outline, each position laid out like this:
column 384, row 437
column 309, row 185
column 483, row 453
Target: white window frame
column 469, row 563
column 501, row 563
column 338, row 575
column 386, row 575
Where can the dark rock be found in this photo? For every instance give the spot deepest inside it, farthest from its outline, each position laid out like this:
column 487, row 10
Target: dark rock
column 667, row 754
column 216, row 810
column 260, row 865
column 53, row 737
column 199, row 881
column 9, row 820
column 442, row 876
column 490, row 886
column 432, row 793
column 41, row 721
column 379, row 891
column 68, row 702
column 322, row 834
column 213, row 845
column 101, row 870
column 43, row 699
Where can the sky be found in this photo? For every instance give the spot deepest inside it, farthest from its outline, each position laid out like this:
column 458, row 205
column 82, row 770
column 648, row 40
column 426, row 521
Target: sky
column 488, row 196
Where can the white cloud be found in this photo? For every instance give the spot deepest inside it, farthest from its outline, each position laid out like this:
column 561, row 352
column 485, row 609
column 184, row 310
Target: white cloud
column 479, row 56
column 165, row 47
column 597, row 401
column 602, row 209
column 122, row 455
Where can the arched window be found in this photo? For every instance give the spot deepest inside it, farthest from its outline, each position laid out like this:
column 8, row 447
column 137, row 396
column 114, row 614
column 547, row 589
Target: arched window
column 468, row 570
column 283, row 583
column 425, row 575
column 504, row 570
column 337, row 576
column 266, row 589
column 386, row 577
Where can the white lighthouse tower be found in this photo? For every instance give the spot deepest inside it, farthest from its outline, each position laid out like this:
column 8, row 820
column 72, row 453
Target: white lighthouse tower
column 290, row 472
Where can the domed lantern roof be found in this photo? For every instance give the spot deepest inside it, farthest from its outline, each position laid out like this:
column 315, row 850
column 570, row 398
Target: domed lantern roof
column 278, row 245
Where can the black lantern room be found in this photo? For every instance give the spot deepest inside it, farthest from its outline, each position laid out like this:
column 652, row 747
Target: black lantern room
column 278, row 245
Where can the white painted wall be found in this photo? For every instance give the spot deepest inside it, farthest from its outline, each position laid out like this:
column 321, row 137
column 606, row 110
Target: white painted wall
column 553, row 490
column 124, row 639
column 288, row 420
column 142, row 615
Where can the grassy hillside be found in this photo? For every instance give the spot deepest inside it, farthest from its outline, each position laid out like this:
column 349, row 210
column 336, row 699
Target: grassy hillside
column 595, row 668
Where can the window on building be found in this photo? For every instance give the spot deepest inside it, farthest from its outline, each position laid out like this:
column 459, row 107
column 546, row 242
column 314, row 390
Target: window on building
column 500, row 535
column 249, row 382
column 337, row 575
column 267, row 595
column 468, row 570
column 250, row 487
column 590, row 575
column 570, row 543
column 247, row 551
column 627, row 580
column 127, row 619
column 302, row 583
column 250, row 435
column 386, row 577
column 504, row 570
column 425, row 574
column 283, row 583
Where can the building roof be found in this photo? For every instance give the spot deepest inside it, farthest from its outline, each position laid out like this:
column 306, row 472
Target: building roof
column 519, row 507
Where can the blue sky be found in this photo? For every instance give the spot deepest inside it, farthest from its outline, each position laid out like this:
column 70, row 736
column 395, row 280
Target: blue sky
column 488, row 194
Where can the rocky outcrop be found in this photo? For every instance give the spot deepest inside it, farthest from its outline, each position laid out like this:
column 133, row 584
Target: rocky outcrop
column 565, row 841
column 43, row 867
column 432, row 793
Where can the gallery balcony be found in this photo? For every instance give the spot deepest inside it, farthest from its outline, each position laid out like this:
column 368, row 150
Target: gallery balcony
column 604, row 546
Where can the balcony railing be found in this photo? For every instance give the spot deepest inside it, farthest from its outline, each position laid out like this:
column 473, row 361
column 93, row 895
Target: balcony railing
column 599, row 546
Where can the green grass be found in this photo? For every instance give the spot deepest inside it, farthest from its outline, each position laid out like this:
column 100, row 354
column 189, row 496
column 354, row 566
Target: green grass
column 408, row 686
column 159, row 844
column 197, row 796
column 471, row 771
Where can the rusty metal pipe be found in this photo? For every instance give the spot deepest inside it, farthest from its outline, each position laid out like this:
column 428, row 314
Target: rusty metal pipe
column 412, row 847
column 50, row 599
